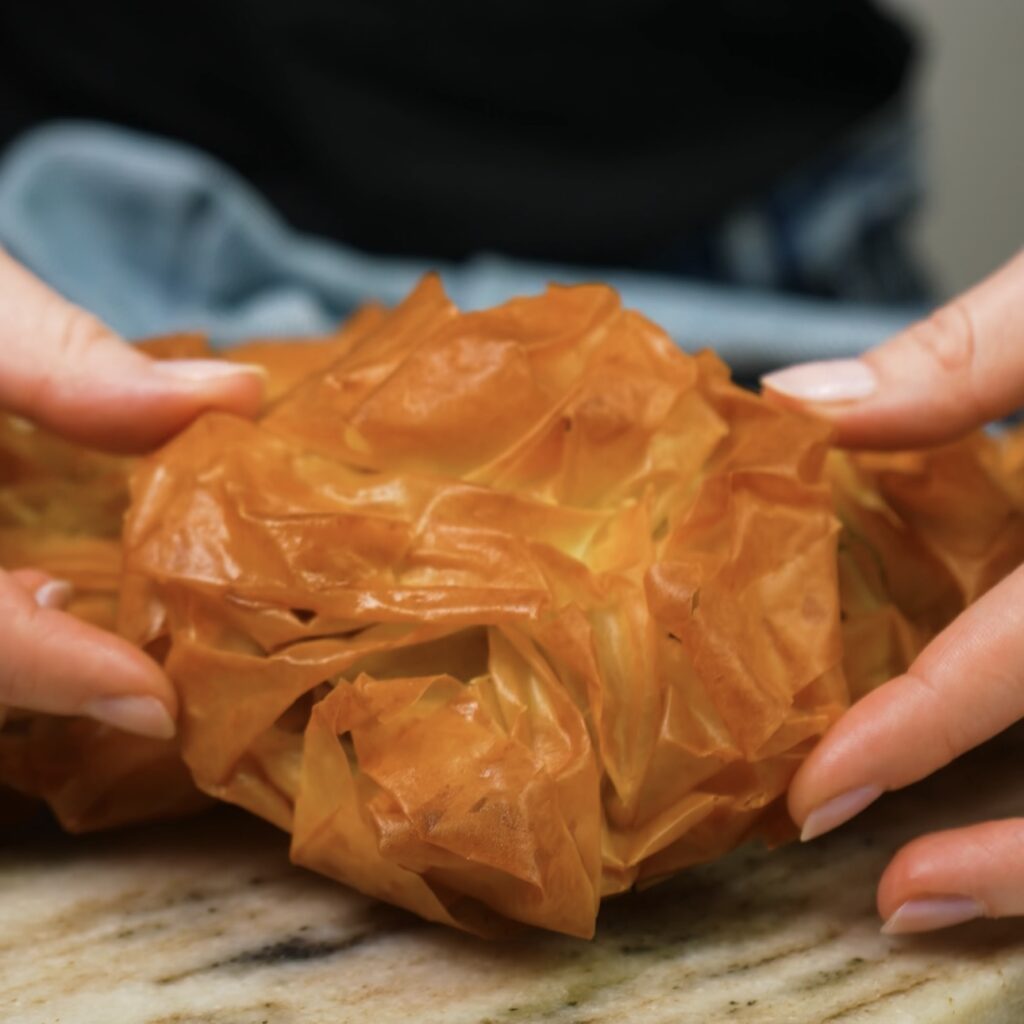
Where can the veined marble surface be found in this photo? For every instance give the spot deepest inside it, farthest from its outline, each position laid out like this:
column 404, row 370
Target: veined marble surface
column 205, row 922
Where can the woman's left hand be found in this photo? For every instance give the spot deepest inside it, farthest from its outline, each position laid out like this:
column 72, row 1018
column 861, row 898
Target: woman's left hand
column 63, row 369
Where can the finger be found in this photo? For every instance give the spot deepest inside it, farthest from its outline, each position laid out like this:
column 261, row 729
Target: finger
column 53, row 662
column 950, row 877
column 966, row 686
column 62, row 368
column 960, row 368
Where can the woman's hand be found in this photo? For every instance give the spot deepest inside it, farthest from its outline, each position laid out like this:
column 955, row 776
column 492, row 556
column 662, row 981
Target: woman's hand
column 61, row 368
column 960, row 368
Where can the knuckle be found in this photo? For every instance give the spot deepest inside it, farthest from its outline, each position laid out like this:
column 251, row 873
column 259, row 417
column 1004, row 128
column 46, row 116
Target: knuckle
column 948, row 341
column 76, row 333
column 947, row 338
column 71, row 335
column 944, row 734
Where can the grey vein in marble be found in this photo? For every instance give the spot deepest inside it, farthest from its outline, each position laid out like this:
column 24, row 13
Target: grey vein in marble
column 205, row 922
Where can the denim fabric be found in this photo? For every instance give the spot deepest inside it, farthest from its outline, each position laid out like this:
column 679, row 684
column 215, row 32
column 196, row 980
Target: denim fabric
column 837, row 227
column 154, row 236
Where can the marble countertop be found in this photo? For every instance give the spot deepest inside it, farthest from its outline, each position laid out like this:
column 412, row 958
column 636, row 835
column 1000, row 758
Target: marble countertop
column 205, row 921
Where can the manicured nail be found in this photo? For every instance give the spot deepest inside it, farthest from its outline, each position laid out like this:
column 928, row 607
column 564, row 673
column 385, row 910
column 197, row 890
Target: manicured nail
column 838, row 810
column 145, row 716
column 830, row 380
column 928, row 914
column 54, row 594
column 200, row 370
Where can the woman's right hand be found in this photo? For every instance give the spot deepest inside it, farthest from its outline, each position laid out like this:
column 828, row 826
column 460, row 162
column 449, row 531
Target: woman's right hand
column 962, row 367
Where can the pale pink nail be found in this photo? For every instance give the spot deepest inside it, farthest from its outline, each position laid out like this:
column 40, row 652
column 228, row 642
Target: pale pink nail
column 145, row 716
column 838, row 810
column 199, row 370
column 830, row 380
column 928, row 914
column 54, row 594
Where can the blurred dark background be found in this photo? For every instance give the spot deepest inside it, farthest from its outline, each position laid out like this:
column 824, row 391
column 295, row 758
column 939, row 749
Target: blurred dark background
column 592, row 132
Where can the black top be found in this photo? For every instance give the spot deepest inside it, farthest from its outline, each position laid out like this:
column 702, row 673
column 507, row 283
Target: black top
column 582, row 130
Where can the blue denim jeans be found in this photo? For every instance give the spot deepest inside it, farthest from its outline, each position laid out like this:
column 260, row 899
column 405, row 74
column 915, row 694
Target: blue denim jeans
column 153, row 236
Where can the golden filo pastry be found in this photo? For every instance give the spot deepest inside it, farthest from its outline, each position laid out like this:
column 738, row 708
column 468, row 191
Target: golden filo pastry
column 500, row 613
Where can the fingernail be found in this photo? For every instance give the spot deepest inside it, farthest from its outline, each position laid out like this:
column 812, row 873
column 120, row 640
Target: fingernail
column 829, row 380
column 54, row 594
column 145, row 716
column 838, row 810
column 928, row 914
column 199, row 370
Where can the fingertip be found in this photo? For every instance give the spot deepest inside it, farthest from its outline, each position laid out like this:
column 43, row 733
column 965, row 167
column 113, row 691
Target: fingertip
column 245, row 392
column 823, row 383
column 54, row 594
column 905, row 877
column 206, row 371
column 57, row 664
column 921, row 889
column 204, row 384
column 217, row 383
column 130, row 672
column 143, row 715
column 833, row 771
column 931, row 913
column 837, row 811
column 977, row 862
column 800, row 798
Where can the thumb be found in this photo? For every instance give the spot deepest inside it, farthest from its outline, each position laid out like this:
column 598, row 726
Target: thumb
column 62, row 368
column 960, row 368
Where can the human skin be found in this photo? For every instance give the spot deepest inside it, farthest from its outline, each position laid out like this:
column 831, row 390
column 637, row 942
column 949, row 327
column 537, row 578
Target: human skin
column 959, row 369
column 63, row 369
